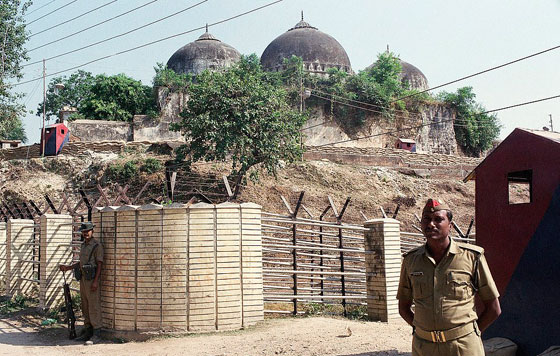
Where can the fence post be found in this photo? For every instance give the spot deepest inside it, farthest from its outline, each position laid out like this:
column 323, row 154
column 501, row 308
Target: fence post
column 383, row 264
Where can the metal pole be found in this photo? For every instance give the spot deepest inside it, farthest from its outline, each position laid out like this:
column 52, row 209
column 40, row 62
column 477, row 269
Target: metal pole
column 551, row 127
column 44, row 109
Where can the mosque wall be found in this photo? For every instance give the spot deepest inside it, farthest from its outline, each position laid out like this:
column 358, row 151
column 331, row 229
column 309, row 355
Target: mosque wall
column 435, row 134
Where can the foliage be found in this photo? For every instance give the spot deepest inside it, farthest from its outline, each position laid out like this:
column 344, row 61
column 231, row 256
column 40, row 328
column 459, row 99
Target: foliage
column 12, row 129
column 101, row 97
column 373, row 91
column 13, row 36
column 16, row 303
column 151, row 165
column 166, row 77
column 126, row 171
column 474, row 129
column 77, row 88
column 240, row 114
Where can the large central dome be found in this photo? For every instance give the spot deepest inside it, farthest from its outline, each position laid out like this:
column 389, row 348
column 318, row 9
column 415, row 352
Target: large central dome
column 318, row 50
column 207, row 52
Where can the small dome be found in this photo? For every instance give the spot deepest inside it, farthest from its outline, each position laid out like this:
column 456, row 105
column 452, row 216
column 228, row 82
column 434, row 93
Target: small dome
column 318, row 50
column 411, row 75
column 207, row 52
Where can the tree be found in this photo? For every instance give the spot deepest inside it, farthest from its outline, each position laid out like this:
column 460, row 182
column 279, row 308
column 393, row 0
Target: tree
column 12, row 53
column 474, row 129
column 101, row 97
column 239, row 114
column 77, row 88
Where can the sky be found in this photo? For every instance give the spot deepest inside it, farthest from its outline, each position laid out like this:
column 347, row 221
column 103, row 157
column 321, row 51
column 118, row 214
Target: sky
column 445, row 39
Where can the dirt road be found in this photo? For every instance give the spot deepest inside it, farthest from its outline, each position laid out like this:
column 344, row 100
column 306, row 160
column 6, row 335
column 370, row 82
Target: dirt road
column 286, row 337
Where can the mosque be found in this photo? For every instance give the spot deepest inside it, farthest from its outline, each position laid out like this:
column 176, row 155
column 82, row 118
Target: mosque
column 319, row 52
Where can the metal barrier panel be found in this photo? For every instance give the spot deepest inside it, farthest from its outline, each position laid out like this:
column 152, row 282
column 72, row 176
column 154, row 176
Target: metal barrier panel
column 3, row 254
column 20, row 242
column 56, row 249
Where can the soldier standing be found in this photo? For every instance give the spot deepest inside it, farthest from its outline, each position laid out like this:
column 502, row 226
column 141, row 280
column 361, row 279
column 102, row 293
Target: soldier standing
column 87, row 271
column 441, row 278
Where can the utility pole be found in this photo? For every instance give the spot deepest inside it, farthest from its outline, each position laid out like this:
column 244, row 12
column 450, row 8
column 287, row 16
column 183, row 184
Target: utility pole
column 44, row 109
column 551, row 127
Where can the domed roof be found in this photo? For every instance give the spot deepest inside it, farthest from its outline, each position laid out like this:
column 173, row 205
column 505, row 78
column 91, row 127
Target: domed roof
column 318, row 50
column 414, row 76
column 207, row 52
column 411, row 75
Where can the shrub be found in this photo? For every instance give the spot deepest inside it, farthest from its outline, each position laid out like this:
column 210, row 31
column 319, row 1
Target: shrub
column 151, row 165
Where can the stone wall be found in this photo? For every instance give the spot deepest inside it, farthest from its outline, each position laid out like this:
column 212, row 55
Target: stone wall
column 100, row 130
column 434, row 132
column 154, row 129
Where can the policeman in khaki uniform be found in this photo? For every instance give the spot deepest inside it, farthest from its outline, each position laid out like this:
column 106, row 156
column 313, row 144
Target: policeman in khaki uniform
column 441, row 279
column 91, row 254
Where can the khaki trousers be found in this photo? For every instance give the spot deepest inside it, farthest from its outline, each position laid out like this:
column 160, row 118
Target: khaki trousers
column 91, row 304
column 468, row 345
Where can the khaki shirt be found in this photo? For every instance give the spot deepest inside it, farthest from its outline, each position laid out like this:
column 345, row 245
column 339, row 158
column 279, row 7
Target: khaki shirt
column 85, row 251
column 443, row 294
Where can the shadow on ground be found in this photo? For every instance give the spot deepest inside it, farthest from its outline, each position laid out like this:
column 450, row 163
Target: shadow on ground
column 381, row 353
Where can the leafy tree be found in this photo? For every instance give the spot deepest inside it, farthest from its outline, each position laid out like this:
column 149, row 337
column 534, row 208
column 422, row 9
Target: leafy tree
column 117, row 98
column 474, row 130
column 239, row 114
column 12, row 53
column 101, row 97
column 77, row 88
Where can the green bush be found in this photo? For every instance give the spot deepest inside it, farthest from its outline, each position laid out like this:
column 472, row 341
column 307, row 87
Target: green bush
column 151, row 165
column 125, row 171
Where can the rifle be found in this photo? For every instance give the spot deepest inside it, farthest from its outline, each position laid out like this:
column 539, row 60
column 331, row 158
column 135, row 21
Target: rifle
column 71, row 318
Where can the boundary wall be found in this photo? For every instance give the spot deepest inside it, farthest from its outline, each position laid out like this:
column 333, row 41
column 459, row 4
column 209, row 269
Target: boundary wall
column 181, row 268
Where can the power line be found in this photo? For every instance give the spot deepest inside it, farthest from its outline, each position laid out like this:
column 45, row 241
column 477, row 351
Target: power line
column 119, row 35
column 92, row 26
column 478, row 73
column 154, row 42
column 40, row 7
column 72, row 19
column 439, row 122
column 52, row 12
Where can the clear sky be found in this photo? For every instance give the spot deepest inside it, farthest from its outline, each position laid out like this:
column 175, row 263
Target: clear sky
column 445, row 39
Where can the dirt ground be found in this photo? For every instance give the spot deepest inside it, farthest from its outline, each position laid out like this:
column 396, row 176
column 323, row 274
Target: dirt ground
column 23, row 335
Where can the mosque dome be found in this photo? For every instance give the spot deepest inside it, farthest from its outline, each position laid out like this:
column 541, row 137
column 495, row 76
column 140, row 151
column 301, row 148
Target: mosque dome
column 318, row 50
column 207, row 52
column 411, row 75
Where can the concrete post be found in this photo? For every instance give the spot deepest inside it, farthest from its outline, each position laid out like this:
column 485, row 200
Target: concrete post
column 56, row 249
column 383, row 264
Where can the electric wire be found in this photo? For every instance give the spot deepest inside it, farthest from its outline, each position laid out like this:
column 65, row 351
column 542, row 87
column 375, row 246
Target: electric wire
column 40, row 7
column 479, row 73
column 116, row 36
column 92, row 26
column 153, row 42
column 52, row 12
column 72, row 19
column 440, row 122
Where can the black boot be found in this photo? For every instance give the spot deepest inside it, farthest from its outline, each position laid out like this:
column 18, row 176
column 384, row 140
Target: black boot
column 85, row 334
column 96, row 338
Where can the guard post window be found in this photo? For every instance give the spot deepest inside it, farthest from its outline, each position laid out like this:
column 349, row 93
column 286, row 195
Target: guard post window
column 520, row 187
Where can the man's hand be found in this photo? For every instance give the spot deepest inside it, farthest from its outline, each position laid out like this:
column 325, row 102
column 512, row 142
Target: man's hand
column 65, row 268
column 405, row 311
column 94, row 286
column 492, row 311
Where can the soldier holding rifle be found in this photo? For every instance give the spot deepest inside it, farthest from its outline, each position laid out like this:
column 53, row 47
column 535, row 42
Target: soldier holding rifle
column 87, row 271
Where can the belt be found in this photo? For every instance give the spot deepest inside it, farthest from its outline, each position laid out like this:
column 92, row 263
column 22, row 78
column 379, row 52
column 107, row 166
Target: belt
column 445, row 335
